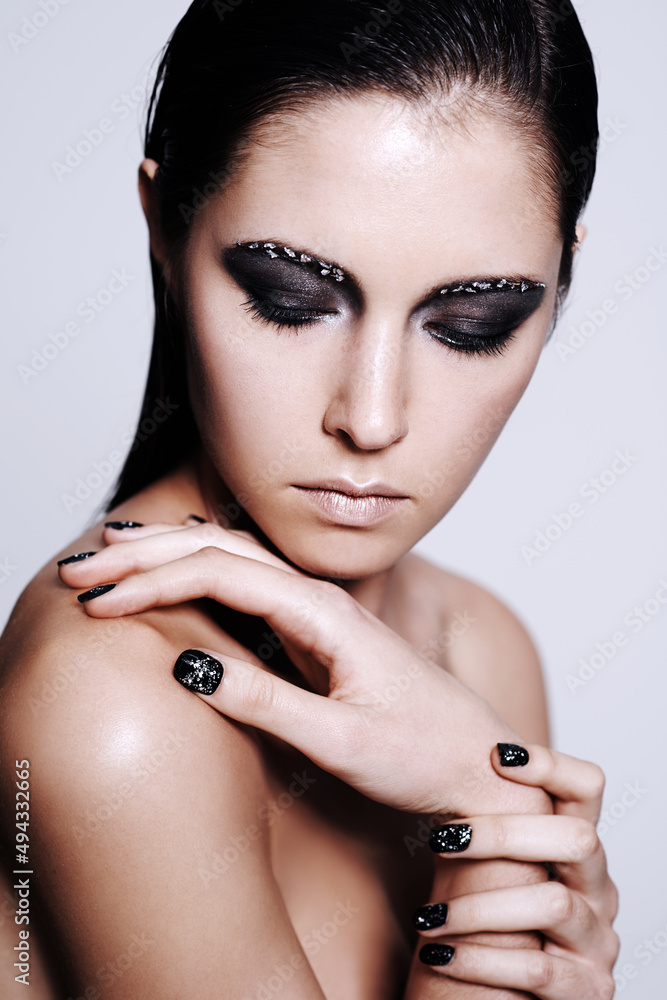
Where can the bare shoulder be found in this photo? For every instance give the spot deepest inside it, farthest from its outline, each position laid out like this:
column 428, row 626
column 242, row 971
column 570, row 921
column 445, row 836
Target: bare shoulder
column 147, row 808
column 483, row 643
column 55, row 659
column 91, row 701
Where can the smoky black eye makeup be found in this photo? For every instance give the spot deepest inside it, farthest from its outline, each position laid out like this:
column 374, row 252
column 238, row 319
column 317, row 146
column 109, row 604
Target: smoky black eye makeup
column 309, row 262
column 482, row 316
column 292, row 288
column 285, row 287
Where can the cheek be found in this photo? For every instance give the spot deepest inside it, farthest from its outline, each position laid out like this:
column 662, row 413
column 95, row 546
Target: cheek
column 461, row 417
column 246, row 404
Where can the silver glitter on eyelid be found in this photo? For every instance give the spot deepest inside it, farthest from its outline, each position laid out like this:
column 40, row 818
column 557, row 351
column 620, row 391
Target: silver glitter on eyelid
column 285, row 253
column 502, row 285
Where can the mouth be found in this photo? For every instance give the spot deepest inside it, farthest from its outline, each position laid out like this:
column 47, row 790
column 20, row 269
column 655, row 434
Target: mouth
column 351, row 489
column 349, row 504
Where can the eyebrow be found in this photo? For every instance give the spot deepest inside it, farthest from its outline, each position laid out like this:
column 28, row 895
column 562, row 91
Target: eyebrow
column 309, row 260
column 305, row 258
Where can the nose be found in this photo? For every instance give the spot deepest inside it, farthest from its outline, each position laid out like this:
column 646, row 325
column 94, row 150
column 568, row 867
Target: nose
column 368, row 404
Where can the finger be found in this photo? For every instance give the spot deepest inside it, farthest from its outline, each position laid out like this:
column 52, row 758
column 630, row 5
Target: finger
column 538, row 973
column 154, row 545
column 122, row 531
column 310, row 612
column 550, row 907
column 254, row 696
column 576, row 784
column 195, row 519
column 569, row 842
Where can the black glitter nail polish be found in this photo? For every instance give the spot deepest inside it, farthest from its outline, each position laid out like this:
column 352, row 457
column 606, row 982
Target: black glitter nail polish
column 95, row 592
column 77, row 557
column 427, row 918
column 198, row 672
column 512, row 755
column 436, row 954
column 120, row 525
column 195, row 517
column 453, row 837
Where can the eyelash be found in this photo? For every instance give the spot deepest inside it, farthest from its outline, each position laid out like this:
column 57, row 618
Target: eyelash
column 292, row 319
column 284, row 319
column 495, row 345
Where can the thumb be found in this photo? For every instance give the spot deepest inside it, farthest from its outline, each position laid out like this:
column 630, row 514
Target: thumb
column 253, row 695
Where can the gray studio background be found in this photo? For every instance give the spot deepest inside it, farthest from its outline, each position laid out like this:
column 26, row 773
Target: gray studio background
column 62, row 238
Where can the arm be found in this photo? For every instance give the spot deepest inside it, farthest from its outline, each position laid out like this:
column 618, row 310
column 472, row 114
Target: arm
column 325, row 627
column 137, row 792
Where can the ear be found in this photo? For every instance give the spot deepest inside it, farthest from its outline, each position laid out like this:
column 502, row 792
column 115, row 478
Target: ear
column 582, row 232
column 149, row 203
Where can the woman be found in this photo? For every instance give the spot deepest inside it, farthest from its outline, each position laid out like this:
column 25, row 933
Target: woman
column 362, row 222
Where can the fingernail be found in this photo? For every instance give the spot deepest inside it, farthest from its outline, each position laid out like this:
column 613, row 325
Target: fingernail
column 450, row 838
column 512, row 755
column 195, row 517
column 77, row 557
column 436, row 954
column 426, row 918
column 120, row 525
column 95, row 592
column 198, row 672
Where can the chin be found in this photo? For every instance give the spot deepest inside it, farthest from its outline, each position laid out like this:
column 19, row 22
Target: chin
column 350, row 558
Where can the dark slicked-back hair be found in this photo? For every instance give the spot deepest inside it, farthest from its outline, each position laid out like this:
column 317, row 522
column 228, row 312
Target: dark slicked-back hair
column 232, row 66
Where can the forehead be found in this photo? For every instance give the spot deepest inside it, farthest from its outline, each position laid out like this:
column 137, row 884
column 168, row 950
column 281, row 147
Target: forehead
column 351, row 175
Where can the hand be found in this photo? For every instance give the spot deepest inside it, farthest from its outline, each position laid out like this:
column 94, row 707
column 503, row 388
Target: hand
column 389, row 722
column 574, row 913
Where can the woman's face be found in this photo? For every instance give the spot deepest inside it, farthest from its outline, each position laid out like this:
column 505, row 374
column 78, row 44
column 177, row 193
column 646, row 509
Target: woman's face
column 371, row 391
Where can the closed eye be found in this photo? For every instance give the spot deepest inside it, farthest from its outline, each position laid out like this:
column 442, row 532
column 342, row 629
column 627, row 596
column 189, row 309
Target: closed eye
column 467, row 343
column 484, row 323
column 283, row 316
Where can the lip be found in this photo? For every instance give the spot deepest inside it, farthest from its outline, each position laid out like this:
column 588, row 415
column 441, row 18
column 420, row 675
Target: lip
column 374, row 489
column 354, row 510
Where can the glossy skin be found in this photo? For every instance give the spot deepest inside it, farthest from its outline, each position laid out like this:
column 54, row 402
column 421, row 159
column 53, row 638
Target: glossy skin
column 366, row 393
column 369, row 394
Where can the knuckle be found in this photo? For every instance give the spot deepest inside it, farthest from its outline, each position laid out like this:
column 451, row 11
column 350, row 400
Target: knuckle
column 501, row 833
column 258, row 694
column 585, row 841
column 606, row 987
column 596, row 781
column 208, row 553
column 613, row 900
column 613, row 945
column 208, row 533
column 541, row 972
column 475, row 913
column 561, row 903
column 332, row 594
column 205, row 568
